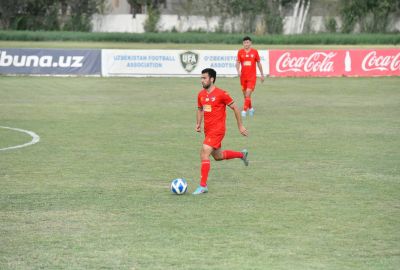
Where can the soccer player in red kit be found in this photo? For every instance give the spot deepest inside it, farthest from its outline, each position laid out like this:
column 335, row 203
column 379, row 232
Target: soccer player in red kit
column 211, row 103
column 247, row 59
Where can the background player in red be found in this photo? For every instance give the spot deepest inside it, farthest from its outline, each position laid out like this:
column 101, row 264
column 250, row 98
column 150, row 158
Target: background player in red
column 212, row 102
column 247, row 59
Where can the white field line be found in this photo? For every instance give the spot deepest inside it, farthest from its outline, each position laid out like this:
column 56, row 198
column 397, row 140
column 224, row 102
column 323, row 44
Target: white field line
column 35, row 138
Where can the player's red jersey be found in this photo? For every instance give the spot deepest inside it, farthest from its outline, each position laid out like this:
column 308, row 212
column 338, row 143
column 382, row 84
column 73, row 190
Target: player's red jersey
column 248, row 62
column 214, row 105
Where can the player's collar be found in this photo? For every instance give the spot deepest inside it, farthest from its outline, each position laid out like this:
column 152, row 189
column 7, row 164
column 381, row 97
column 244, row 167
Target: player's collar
column 213, row 87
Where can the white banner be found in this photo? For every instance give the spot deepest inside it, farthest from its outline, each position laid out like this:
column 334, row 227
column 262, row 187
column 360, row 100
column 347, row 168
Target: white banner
column 176, row 63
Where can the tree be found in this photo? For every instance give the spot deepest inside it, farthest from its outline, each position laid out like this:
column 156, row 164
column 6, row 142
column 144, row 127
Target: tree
column 247, row 12
column 372, row 15
column 153, row 12
column 29, row 14
column 273, row 17
column 81, row 12
column 45, row 14
column 9, row 10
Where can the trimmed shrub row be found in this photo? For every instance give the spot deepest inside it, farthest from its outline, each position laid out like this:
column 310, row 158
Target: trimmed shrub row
column 197, row 37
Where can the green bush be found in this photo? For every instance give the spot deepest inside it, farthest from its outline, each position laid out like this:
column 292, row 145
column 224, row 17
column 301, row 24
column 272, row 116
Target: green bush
column 150, row 25
column 197, row 37
column 331, row 25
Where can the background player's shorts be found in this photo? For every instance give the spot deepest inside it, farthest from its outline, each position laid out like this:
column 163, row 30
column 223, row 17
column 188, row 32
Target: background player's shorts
column 214, row 141
column 248, row 83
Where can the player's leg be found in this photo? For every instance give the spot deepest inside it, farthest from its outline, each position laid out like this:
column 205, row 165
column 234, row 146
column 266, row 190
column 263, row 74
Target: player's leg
column 248, row 102
column 243, row 83
column 205, row 153
column 205, row 166
column 247, row 98
column 249, row 91
column 219, row 154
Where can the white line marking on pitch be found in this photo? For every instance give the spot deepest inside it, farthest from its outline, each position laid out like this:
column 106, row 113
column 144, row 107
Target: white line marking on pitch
column 35, row 138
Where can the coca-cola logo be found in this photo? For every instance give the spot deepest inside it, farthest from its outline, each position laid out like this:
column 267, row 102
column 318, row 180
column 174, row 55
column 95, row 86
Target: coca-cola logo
column 315, row 62
column 383, row 63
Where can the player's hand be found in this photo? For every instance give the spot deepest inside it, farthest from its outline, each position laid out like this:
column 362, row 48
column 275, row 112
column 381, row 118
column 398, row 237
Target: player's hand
column 243, row 131
column 262, row 78
column 198, row 128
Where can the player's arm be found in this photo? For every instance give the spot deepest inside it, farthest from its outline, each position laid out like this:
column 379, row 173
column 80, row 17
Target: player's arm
column 235, row 109
column 199, row 119
column 260, row 68
column 238, row 68
column 238, row 65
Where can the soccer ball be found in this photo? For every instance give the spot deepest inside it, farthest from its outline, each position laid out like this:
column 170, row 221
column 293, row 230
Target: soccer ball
column 179, row 186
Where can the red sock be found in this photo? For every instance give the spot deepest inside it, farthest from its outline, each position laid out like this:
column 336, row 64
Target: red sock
column 248, row 103
column 205, row 168
column 229, row 154
column 245, row 105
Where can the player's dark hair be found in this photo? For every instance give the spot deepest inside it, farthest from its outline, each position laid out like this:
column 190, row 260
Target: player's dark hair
column 211, row 73
column 246, row 38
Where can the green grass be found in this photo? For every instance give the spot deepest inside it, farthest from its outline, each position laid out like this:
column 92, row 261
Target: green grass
column 321, row 191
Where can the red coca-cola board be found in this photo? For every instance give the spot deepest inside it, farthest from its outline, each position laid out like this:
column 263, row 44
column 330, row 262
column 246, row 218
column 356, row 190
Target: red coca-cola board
column 326, row 63
column 375, row 63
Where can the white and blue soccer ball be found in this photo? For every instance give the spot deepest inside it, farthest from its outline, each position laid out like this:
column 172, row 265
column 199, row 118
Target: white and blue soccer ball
column 179, row 186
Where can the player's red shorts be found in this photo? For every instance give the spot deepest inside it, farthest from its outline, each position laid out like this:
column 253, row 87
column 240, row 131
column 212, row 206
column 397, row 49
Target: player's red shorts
column 215, row 141
column 248, row 83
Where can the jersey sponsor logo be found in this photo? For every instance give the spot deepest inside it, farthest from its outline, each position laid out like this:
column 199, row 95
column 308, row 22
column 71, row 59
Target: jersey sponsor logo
column 189, row 60
column 207, row 108
column 247, row 63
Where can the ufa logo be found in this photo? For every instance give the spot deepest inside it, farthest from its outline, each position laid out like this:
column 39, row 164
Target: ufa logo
column 189, row 60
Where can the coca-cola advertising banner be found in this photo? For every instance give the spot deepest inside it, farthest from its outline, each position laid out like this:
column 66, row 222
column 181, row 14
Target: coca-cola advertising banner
column 326, row 63
column 375, row 63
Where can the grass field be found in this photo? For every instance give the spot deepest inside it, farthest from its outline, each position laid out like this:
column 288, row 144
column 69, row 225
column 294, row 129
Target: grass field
column 321, row 192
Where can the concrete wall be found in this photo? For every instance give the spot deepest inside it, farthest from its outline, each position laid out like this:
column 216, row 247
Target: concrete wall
column 118, row 18
column 128, row 23
column 118, row 23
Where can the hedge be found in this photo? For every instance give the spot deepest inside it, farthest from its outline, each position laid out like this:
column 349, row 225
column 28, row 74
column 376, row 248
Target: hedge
column 199, row 38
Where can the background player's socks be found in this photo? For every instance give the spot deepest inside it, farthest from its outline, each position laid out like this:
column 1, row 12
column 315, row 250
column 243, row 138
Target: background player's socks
column 245, row 105
column 251, row 111
column 229, row 154
column 248, row 103
column 205, row 168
